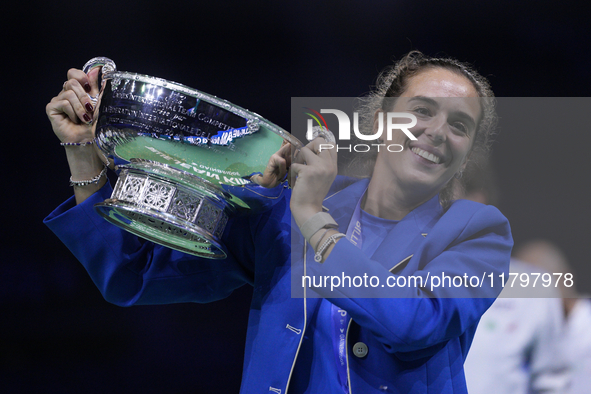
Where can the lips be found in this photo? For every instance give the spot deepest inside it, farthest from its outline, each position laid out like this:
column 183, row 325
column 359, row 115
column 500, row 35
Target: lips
column 426, row 155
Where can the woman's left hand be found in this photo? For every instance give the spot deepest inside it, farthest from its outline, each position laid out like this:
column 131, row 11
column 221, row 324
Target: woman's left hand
column 313, row 172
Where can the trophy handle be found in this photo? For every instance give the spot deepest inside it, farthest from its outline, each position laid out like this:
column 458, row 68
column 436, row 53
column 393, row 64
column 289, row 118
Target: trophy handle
column 323, row 132
column 108, row 66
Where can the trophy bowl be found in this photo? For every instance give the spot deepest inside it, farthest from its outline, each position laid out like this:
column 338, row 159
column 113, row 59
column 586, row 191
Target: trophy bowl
column 188, row 158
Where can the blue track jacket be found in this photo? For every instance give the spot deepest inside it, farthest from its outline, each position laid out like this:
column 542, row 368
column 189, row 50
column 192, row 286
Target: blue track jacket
column 417, row 336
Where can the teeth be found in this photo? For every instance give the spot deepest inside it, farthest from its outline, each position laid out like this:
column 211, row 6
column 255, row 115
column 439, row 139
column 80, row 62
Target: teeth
column 426, row 155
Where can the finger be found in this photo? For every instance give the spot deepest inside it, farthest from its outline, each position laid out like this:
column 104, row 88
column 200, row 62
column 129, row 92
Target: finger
column 281, row 172
column 282, row 158
column 320, row 145
column 329, row 152
column 307, row 156
column 75, row 85
column 274, row 172
column 57, row 113
column 256, row 178
column 287, row 152
column 313, row 145
column 60, row 109
column 67, row 110
column 93, row 77
column 323, row 149
column 295, row 172
column 296, row 168
column 88, row 82
column 328, row 149
column 81, row 77
column 79, row 101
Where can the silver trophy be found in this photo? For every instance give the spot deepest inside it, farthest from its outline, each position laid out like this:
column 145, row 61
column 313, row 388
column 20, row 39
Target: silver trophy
column 189, row 156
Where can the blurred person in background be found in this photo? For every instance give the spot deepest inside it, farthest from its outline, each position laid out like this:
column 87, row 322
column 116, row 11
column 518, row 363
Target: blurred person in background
column 515, row 348
column 576, row 341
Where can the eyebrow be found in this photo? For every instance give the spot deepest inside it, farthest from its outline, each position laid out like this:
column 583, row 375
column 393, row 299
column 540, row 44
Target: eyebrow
column 424, row 99
column 461, row 114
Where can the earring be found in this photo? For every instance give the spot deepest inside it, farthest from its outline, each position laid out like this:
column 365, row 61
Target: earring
column 458, row 175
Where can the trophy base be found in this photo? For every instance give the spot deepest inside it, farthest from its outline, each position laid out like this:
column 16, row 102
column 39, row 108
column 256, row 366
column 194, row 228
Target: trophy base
column 169, row 207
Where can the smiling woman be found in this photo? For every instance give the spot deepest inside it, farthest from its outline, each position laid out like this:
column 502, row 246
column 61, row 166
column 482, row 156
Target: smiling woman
column 387, row 326
column 394, row 82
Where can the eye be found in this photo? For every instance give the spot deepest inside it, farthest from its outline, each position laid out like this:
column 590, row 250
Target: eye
column 461, row 127
column 422, row 111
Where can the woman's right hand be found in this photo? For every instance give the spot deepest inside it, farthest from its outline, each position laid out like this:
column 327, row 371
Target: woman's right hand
column 71, row 111
column 71, row 114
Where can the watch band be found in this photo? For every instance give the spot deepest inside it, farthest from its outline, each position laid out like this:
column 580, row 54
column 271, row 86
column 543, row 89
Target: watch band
column 315, row 223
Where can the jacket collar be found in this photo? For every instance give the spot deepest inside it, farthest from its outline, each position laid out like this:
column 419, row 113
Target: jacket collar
column 341, row 204
column 406, row 236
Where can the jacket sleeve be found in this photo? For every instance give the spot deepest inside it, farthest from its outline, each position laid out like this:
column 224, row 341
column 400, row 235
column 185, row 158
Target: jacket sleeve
column 129, row 270
column 413, row 317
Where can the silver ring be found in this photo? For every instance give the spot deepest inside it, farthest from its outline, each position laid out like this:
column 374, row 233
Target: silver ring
column 64, row 85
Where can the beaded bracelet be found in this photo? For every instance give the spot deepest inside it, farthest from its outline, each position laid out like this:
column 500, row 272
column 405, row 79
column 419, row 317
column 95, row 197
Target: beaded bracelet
column 94, row 180
column 320, row 239
column 320, row 252
column 76, row 143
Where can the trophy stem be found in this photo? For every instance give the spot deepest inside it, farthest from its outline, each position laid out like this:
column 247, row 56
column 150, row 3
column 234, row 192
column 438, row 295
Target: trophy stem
column 187, row 216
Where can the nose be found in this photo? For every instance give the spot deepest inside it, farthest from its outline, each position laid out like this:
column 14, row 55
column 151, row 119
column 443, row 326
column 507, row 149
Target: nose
column 437, row 130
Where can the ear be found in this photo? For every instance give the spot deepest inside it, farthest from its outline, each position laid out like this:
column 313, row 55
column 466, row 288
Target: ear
column 464, row 164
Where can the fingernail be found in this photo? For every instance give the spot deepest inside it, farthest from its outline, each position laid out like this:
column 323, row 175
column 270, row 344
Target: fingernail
column 86, row 118
column 87, row 87
column 88, row 107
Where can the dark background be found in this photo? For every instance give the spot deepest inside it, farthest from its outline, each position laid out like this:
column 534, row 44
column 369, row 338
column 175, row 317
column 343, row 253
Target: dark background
column 57, row 334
